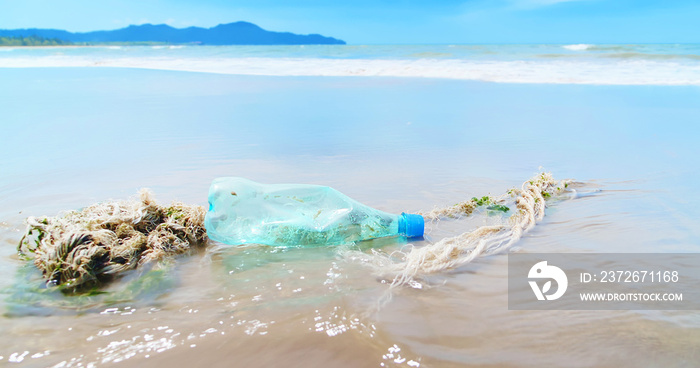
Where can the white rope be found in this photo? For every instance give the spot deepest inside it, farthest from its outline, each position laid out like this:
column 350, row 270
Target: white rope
column 86, row 247
column 108, row 238
column 404, row 267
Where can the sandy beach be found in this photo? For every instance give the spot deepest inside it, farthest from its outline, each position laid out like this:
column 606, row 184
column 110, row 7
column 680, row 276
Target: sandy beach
column 77, row 136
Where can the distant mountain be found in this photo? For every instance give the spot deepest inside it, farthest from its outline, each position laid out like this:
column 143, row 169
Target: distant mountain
column 238, row 33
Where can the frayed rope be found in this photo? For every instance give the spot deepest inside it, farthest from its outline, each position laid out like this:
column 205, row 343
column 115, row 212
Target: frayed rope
column 404, row 267
column 82, row 249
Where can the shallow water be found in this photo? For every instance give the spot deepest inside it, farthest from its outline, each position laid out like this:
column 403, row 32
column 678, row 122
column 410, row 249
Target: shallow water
column 73, row 137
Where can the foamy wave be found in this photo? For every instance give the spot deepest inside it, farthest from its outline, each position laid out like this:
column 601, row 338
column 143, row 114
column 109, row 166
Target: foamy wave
column 622, row 72
column 169, row 47
column 578, row 47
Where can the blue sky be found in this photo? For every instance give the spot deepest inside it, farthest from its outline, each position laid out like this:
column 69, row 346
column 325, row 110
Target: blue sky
column 387, row 21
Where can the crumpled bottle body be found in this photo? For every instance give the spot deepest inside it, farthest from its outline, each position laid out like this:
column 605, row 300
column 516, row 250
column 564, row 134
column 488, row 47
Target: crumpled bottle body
column 243, row 212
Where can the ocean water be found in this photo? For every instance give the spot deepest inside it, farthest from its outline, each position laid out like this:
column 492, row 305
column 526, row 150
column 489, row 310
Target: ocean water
column 664, row 64
column 83, row 125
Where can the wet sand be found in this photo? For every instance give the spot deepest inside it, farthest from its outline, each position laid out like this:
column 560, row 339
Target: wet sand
column 73, row 137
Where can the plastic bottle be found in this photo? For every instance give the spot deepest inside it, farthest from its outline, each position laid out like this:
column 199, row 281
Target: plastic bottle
column 242, row 212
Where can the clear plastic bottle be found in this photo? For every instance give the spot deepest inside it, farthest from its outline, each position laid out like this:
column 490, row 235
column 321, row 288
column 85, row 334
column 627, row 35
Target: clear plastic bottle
column 242, row 212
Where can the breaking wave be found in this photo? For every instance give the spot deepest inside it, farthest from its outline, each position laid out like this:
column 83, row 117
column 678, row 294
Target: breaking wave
column 587, row 64
column 578, row 47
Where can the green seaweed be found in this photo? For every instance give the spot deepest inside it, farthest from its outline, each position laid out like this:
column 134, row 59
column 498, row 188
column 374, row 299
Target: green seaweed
column 498, row 207
column 490, row 204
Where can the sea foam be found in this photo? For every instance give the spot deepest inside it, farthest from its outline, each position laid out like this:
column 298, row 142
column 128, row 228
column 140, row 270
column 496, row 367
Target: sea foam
column 576, row 71
column 578, row 47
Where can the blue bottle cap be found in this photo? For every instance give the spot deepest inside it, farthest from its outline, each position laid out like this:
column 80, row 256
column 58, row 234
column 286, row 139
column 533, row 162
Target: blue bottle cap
column 411, row 225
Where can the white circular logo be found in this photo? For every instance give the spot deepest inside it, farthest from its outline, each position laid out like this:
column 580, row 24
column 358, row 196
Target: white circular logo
column 543, row 271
